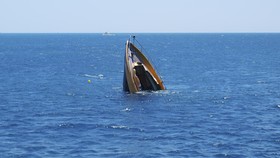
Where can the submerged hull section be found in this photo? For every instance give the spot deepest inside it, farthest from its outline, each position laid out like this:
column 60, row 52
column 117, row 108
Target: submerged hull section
column 139, row 74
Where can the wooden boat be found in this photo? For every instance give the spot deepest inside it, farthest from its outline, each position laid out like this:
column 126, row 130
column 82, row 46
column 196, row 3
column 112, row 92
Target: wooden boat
column 139, row 74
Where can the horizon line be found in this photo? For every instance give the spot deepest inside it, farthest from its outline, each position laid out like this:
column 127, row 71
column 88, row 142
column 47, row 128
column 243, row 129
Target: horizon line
column 136, row 32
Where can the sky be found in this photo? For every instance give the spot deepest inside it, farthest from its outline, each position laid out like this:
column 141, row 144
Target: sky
column 139, row 16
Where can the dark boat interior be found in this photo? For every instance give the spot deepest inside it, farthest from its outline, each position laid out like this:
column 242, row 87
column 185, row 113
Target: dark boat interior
column 146, row 79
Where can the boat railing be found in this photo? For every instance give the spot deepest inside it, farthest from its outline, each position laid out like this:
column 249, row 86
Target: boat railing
column 137, row 44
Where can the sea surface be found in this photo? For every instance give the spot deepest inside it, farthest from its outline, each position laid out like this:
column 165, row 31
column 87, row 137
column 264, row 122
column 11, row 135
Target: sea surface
column 61, row 96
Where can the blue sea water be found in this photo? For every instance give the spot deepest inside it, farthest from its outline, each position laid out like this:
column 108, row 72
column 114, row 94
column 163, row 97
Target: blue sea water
column 61, row 96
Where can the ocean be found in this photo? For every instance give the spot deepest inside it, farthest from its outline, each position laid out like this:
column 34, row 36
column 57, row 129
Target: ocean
column 61, row 96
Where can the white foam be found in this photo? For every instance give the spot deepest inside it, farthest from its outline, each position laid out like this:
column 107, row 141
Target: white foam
column 120, row 127
column 100, row 76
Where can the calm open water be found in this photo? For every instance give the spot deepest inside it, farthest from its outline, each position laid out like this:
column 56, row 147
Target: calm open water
column 223, row 97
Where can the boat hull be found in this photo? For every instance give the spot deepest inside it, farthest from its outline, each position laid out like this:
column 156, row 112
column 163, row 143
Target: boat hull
column 139, row 74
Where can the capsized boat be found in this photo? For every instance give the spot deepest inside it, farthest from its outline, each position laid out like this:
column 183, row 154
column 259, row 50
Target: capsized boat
column 139, row 74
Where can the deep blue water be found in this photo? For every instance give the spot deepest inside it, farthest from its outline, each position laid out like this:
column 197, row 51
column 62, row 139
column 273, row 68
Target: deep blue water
column 222, row 97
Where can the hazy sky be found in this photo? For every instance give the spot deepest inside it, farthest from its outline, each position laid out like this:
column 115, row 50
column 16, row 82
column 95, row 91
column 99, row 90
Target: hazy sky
column 89, row 16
